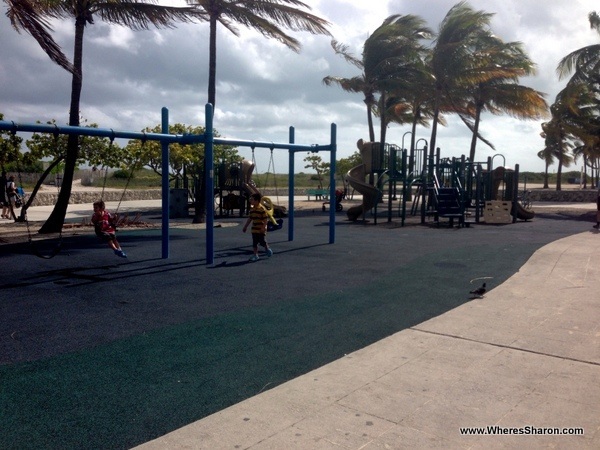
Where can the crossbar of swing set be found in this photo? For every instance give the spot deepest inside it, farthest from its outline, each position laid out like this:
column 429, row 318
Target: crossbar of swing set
column 209, row 140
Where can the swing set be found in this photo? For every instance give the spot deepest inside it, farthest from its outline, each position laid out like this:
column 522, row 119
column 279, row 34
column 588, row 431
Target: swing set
column 238, row 177
column 55, row 250
column 209, row 141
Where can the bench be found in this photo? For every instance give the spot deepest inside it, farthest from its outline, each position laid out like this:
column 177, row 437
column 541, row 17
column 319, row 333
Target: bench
column 318, row 194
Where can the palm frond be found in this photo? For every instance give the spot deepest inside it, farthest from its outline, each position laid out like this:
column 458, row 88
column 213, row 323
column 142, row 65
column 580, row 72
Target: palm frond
column 290, row 14
column 268, row 17
column 138, row 15
column 594, row 19
column 24, row 14
column 342, row 50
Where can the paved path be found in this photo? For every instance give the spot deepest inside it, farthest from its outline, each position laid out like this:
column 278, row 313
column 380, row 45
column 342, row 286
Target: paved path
column 524, row 358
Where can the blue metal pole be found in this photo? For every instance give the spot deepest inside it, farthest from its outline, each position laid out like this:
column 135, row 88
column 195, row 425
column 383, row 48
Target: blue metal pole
column 209, row 185
column 165, row 185
column 88, row 131
column 291, row 192
column 332, row 206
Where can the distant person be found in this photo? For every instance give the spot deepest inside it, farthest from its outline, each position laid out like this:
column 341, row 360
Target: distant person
column 258, row 217
column 9, row 197
column 104, row 224
column 3, row 198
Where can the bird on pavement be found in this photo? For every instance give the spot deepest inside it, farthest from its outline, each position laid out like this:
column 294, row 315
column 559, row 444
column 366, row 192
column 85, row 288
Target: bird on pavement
column 479, row 291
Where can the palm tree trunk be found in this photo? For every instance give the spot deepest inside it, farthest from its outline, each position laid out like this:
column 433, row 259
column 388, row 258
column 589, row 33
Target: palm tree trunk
column 370, row 122
column 436, row 114
column 37, row 187
column 413, row 139
column 475, row 133
column 411, row 154
column 559, row 176
column 55, row 221
column 200, row 206
column 383, row 127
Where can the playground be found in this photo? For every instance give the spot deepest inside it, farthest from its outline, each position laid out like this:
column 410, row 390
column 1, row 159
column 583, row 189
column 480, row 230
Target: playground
column 99, row 352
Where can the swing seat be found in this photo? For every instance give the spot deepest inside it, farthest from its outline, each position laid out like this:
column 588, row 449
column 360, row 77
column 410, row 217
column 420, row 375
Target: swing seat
column 272, row 227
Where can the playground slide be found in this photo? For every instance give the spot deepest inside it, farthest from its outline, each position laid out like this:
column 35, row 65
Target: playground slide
column 370, row 194
column 247, row 184
column 524, row 214
column 250, row 188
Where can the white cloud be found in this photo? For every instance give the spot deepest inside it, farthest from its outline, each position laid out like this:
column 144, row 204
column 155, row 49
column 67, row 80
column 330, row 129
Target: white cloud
column 263, row 87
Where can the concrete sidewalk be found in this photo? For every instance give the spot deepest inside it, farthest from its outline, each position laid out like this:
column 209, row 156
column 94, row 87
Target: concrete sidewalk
column 524, row 358
column 79, row 211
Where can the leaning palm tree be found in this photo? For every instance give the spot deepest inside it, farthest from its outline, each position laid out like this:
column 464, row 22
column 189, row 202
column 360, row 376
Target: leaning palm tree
column 584, row 65
column 393, row 61
column 135, row 14
column 358, row 84
column 568, row 111
column 268, row 17
column 415, row 108
column 546, row 155
column 501, row 93
column 455, row 59
column 584, row 62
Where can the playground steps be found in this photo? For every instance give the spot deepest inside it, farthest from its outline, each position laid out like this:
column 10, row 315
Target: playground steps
column 448, row 205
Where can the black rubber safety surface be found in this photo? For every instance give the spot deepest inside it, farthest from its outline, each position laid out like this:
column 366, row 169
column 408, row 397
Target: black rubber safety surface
column 102, row 352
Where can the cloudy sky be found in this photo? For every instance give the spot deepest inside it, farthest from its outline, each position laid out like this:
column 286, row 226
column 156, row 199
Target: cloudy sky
column 263, row 87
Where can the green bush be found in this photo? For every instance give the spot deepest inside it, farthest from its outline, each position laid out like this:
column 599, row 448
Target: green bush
column 122, row 174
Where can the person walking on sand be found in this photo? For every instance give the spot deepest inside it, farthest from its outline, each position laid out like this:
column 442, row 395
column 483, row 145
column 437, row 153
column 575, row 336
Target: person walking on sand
column 258, row 217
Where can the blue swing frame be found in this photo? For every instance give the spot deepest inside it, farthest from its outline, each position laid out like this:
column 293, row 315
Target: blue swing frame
column 209, row 141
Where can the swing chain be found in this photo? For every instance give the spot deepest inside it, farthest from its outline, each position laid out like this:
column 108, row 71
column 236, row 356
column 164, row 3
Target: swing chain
column 272, row 165
column 58, row 247
column 133, row 167
column 110, row 146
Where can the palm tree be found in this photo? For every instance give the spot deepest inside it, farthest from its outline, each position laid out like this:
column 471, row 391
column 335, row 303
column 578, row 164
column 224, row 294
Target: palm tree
column 560, row 133
column 393, row 61
column 358, row 84
column 584, row 62
column 502, row 94
column 455, row 57
column 135, row 14
column 265, row 16
column 586, row 150
column 416, row 108
column 547, row 156
column 557, row 145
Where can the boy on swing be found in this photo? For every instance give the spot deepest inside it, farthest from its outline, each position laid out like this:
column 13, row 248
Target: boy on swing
column 104, row 224
column 258, row 216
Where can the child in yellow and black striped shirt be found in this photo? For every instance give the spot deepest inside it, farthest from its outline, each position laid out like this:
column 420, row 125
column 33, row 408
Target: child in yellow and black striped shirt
column 259, row 218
